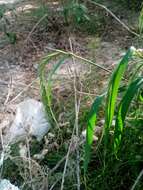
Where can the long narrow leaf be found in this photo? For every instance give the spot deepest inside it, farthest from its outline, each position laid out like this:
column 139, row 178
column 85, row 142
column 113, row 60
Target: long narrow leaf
column 45, row 84
column 41, row 72
column 123, row 109
column 50, row 75
column 91, row 125
column 113, row 90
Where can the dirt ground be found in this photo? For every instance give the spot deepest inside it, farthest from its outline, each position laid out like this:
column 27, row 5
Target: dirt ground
column 19, row 62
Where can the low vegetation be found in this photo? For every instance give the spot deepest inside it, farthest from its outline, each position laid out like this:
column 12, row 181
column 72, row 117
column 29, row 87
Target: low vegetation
column 96, row 139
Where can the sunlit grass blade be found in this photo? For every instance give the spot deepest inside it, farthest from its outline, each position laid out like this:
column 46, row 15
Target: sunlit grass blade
column 141, row 96
column 123, row 109
column 113, row 90
column 91, row 125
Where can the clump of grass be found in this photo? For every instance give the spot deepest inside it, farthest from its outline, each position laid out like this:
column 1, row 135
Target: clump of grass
column 114, row 141
column 113, row 162
column 108, row 160
column 111, row 99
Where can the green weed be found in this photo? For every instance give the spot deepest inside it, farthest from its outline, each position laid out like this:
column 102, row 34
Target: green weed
column 121, row 97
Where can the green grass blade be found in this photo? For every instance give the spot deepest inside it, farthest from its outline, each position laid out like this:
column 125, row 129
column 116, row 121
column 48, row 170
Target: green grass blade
column 123, row 109
column 45, row 84
column 141, row 96
column 113, row 90
column 50, row 75
column 41, row 72
column 91, row 124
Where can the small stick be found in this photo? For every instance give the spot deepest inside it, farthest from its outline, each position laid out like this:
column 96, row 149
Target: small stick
column 35, row 26
column 67, row 159
column 9, row 90
column 115, row 17
column 25, row 89
column 77, row 106
column 81, row 58
column 137, row 180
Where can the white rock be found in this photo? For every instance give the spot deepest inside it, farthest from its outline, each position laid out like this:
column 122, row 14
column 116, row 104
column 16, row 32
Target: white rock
column 30, row 120
column 6, row 185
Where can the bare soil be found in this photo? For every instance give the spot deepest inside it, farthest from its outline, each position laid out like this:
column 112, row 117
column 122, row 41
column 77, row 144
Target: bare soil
column 19, row 62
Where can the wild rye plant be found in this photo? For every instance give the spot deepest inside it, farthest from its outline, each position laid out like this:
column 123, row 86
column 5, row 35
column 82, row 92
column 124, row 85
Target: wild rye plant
column 118, row 99
column 134, row 86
